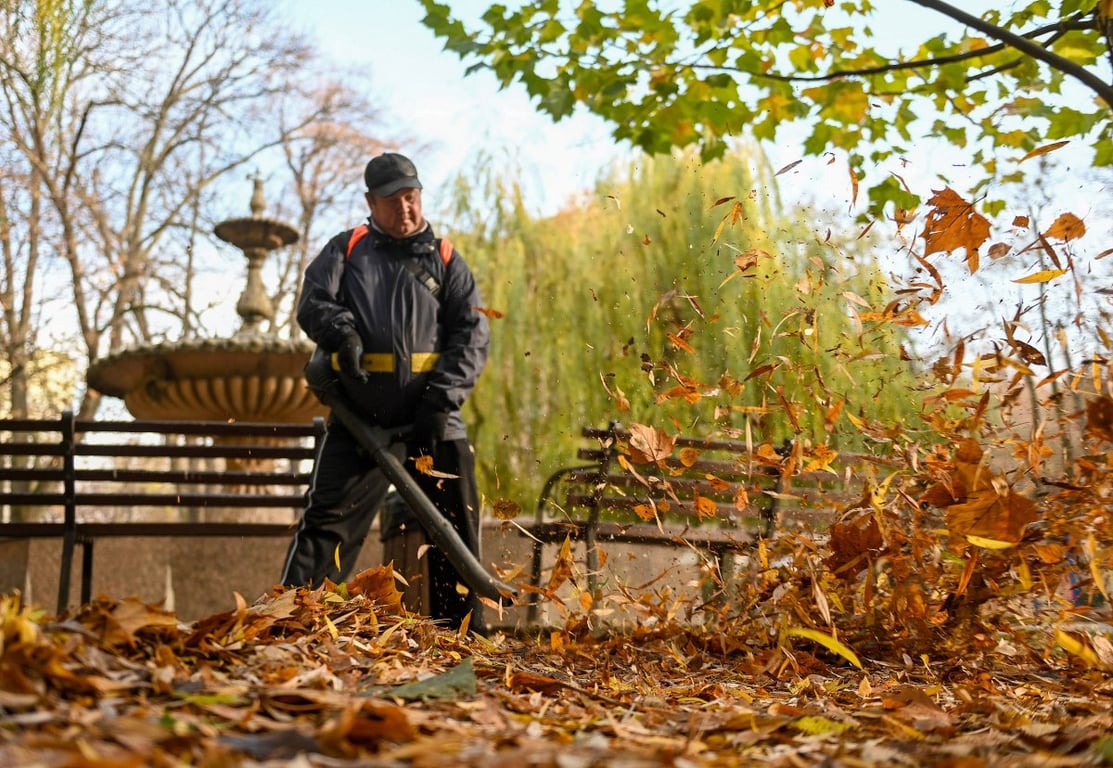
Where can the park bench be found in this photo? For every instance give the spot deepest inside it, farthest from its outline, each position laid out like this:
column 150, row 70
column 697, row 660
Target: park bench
column 718, row 496
column 72, row 479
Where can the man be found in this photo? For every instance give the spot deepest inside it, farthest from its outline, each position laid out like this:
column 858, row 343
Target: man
column 397, row 308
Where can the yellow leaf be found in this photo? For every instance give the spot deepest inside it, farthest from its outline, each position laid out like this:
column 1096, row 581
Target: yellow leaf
column 336, row 556
column 984, row 543
column 1024, row 574
column 826, row 641
column 1043, row 276
column 818, row 726
column 1091, row 549
column 1076, row 647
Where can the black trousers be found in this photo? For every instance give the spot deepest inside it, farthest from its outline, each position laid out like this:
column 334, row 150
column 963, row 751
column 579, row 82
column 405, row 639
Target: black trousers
column 344, row 497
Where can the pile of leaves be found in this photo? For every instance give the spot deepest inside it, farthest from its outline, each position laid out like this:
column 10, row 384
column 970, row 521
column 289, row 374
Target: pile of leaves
column 343, row 675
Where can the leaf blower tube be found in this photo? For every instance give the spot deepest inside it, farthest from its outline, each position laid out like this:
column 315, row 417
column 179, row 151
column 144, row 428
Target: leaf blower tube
column 376, row 441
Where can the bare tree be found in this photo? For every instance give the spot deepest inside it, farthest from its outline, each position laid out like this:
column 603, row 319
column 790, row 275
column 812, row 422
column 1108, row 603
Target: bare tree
column 326, row 144
column 121, row 121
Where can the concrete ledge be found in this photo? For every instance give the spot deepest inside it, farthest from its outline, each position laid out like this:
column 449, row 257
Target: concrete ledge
column 198, row 577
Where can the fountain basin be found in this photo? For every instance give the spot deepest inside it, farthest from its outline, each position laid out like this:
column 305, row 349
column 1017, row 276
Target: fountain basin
column 243, row 378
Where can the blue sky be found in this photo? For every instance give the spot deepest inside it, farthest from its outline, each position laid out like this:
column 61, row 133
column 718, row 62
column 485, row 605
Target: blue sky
column 423, row 86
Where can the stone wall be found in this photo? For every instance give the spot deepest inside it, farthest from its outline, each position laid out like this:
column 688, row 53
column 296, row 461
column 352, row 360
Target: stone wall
column 198, row 577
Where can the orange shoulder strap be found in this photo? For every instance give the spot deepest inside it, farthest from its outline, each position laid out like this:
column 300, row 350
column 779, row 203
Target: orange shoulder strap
column 361, row 231
column 358, row 234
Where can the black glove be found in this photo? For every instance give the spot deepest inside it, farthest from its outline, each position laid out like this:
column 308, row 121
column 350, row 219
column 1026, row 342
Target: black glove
column 350, row 357
column 428, row 429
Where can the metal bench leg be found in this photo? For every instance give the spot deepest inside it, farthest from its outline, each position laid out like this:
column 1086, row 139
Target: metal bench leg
column 591, row 560
column 535, row 580
column 86, row 571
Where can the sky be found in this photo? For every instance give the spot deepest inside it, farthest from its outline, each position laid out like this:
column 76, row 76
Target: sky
column 421, row 84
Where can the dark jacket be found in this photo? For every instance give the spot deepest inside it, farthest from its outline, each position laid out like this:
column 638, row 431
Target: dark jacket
column 372, row 292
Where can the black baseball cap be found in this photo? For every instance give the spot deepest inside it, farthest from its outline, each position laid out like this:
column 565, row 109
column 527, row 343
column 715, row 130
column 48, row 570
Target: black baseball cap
column 390, row 172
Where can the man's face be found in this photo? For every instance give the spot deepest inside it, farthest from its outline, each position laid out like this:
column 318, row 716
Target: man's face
column 399, row 215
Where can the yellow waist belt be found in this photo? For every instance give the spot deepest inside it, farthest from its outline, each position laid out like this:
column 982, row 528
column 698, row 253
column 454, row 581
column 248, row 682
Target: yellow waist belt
column 383, row 362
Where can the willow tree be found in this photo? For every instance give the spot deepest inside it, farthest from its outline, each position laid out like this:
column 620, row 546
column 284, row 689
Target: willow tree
column 654, row 300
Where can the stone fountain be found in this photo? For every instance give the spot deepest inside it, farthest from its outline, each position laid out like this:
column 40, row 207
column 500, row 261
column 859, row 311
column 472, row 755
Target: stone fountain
column 250, row 376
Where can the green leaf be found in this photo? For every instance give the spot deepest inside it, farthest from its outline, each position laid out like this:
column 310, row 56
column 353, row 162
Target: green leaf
column 456, row 683
column 699, row 65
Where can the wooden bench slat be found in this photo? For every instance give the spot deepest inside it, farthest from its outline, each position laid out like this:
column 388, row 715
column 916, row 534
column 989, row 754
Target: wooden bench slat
column 195, row 451
column 146, row 529
column 116, row 500
column 168, row 477
column 718, row 539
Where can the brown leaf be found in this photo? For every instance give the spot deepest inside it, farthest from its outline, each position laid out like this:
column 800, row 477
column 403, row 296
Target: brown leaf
column 562, row 568
column 128, row 617
column 1046, row 148
column 506, row 509
column 1099, row 418
column 379, row 586
column 533, row 682
column 850, row 542
column 952, row 223
column 705, row 507
column 365, row 727
column 987, row 514
column 649, row 445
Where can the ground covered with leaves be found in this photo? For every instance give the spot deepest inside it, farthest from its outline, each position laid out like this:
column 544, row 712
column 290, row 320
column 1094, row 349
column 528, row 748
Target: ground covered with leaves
column 344, row 676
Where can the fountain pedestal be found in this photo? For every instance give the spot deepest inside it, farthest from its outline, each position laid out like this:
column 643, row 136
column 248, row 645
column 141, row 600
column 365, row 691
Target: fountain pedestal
column 251, row 376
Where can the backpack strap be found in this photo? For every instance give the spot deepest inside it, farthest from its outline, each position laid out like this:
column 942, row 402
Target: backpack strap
column 358, row 234
column 444, row 248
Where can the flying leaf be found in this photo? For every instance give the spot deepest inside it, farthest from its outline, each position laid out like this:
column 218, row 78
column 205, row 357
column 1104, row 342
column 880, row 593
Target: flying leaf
column 826, row 641
column 789, row 167
column 705, row 507
column 990, row 516
column 1066, row 228
column 952, row 223
column 1043, row 276
column 1099, row 418
column 506, row 509
column 562, row 568
column 649, row 445
column 377, row 584
column 1076, row 647
column 1044, row 150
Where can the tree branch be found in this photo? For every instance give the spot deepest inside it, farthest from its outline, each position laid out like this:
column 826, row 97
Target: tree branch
column 1066, row 66
column 894, row 66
